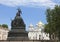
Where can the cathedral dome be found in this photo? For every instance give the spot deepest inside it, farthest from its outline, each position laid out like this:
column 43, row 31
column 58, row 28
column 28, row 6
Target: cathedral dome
column 31, row 26
column 40, row 24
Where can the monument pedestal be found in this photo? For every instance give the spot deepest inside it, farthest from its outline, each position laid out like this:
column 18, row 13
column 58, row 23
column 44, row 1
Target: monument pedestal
column 18, row 34
column 17, row 38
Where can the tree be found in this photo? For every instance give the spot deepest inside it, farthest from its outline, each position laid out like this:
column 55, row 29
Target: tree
column 0, row 25
column 53, row 20
column 46, row 28
column 5, row 25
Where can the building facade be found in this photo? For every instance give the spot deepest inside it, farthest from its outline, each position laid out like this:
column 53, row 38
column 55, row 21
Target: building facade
column 3, row 33
column 37, row 32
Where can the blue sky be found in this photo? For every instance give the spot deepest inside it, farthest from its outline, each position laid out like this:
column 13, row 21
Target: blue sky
column 33, row 11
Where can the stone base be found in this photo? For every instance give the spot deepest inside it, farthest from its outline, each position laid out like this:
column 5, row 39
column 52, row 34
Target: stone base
column 17, row 38
column 17, row 34
column 31, row 41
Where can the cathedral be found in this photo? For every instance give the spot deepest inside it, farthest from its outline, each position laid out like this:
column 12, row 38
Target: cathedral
column 37, row 32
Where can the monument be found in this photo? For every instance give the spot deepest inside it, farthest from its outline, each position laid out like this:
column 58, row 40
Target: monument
column 18, row 28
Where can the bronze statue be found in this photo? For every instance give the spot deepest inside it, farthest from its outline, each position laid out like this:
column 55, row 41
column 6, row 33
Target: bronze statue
column 18, row 21
column 19, row 12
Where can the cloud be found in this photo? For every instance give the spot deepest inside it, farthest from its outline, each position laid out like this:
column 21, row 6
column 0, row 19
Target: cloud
column 34, row 3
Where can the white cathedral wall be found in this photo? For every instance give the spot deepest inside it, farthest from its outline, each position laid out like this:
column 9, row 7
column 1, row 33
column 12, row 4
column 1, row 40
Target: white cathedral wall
column 38, row 35
column 3, row 34
column 34, row 35
column 31, row 35
column 45, row 36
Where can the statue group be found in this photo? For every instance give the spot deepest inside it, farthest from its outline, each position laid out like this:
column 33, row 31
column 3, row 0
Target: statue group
column 18, row 21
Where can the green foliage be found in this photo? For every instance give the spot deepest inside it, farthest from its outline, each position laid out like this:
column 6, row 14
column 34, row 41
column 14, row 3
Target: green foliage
column 0, row 25
column 5, row 25
column 46, row 28
column 53, row 19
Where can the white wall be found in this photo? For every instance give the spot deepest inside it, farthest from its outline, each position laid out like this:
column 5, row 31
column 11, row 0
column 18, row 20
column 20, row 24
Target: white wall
column 3, row 34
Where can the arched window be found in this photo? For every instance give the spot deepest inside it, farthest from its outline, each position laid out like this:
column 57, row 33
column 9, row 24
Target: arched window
column 39, row 37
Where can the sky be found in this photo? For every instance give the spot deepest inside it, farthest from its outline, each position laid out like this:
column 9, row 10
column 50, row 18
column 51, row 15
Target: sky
column 33, row 11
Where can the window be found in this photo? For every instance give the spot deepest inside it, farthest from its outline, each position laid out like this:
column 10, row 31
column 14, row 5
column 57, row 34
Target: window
column 46, row 35
column 0, row 32
column 0, row 37
column 39, row 37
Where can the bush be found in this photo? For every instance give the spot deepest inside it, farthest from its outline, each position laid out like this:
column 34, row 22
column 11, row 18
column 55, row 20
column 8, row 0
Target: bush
column 5, row 25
